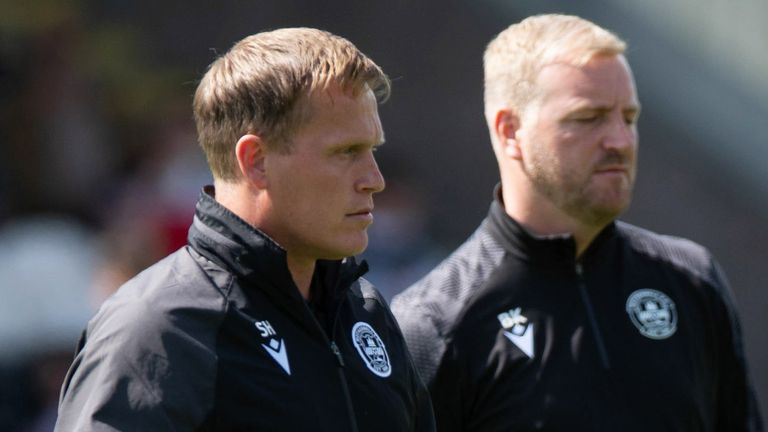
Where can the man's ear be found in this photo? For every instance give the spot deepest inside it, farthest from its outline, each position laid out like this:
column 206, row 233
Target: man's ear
column 506, row 128
column 250, row 151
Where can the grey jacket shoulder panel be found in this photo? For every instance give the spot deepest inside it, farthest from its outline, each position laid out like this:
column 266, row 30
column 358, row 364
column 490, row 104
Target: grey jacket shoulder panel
column 428, row 310
column 167, row 315
column 682, row 254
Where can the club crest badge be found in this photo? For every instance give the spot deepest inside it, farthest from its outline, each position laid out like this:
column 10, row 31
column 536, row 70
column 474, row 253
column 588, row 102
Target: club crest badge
column 371, row 349
column 653, row 313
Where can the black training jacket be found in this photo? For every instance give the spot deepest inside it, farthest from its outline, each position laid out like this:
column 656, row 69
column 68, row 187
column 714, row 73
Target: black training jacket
column 216, row 337
column 511, row 333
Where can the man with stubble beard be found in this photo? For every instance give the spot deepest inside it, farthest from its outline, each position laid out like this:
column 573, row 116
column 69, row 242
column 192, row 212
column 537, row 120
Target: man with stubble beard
column 553, row 315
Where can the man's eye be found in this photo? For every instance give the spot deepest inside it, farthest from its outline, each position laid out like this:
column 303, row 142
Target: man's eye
column 631, row 120
column 587, row 119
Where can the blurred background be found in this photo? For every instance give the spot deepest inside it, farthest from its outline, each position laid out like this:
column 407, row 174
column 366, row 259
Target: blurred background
column 100, row 170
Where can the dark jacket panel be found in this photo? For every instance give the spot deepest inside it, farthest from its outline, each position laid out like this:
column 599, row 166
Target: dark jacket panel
column 511, row 332
column 217, row 337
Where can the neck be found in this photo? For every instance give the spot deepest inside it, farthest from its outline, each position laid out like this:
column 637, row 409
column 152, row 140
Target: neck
column 583, row 240
column 538, row 216
column 302, row 270
column 251, row 207
column 234, row 197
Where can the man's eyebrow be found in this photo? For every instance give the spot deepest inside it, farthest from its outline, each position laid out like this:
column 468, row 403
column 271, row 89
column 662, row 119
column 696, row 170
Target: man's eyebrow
column 586, row 108
column 580, row 107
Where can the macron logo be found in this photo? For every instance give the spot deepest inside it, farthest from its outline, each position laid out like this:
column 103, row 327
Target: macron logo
column 518, row 330
column 523, row 341
column 275, row 347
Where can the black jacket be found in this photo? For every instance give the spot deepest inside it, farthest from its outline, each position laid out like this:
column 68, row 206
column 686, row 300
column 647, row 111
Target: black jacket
column 217, row 337
column 512, row 333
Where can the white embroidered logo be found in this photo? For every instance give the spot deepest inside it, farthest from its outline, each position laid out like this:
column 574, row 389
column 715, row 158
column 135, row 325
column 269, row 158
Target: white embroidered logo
column 276, row 347
column 518, row 330
column 653, row 313
column 371, row 349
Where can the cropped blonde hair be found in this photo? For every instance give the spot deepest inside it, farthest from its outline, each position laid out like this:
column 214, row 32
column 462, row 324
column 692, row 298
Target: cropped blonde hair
column 258, row 87
column 513, row 59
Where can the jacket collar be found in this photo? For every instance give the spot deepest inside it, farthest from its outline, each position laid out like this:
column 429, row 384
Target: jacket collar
column 235, row 245
column 547, row 249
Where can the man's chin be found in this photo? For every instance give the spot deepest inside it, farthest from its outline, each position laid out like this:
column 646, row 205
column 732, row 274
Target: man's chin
column 598, row 214
column 351, row 249
column 602, row 216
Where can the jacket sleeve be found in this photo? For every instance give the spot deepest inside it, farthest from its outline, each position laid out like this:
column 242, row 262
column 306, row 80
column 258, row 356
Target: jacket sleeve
column 138, row 369
column 434, row 362
column 425, row 418
column 424, row 341
column 737, row 405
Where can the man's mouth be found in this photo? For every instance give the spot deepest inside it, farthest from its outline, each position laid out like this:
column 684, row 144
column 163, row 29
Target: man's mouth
column 363, row 214
column 612, row 169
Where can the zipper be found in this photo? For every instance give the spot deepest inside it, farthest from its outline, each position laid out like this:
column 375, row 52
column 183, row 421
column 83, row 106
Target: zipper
column 339, row 360
column 592, row 319
column 345, row 386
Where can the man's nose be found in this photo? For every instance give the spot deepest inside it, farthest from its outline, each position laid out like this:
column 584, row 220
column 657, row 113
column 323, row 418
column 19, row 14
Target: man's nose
column 372, row 180
column 621, row 135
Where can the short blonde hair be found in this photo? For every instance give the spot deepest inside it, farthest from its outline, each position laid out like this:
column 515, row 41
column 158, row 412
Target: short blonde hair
column 513, row 59
column 259, row 87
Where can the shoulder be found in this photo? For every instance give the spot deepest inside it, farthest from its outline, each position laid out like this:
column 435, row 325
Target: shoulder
column 150, row 349
column 429, row 310
column 678, row 253
column 174, row 296
column 167, row 294
column 366, row 290
column 442, row 294
column 371, row 304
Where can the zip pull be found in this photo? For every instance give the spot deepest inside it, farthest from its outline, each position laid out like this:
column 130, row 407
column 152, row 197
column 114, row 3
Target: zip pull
column 337, row 351
column 579, row 270
column 345, row 387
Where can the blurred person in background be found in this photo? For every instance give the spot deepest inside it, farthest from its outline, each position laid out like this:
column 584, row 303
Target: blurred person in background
column 148, row 215
column 401, row 250
column 46, row 268
column 263, row 321
column 553, row 315
column 63, row 222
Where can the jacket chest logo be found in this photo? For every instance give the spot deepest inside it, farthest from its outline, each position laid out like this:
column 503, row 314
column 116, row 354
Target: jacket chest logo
column 518, row 330
column 371, row 349
column 653, row 313
column 275, row 346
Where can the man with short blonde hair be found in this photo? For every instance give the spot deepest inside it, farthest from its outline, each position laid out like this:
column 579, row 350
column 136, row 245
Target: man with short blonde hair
column 515, row 57
column 553, row 315
column 261, row 85
column 263, row 322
